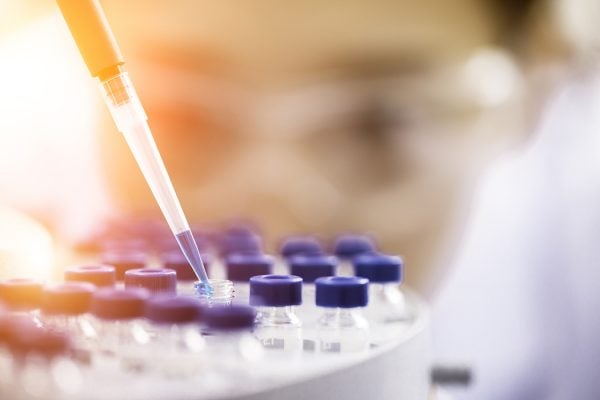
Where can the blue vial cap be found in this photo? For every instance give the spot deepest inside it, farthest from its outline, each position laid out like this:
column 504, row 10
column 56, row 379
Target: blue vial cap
column 300, row 245
column 350, row 245
column 311, row 267
column 166, row 309
column 99, row 275
column 233, row 244
column 123, row 261
column 342, row 291
column 155, row 280
column 229, row 318
column 242, row 267
column 379, row 268
column 119, row 304
column 275, row 290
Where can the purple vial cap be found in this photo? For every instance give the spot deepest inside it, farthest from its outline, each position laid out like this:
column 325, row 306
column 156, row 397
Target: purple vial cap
column 155, row 280
column 300, row 245
column 379, row 268
column 240, row 244
column 176, row 261
column 229, row 318
column 275, row 290
column 242, row 267
column 173, row 309
column 123, row 261
column 32, row 339
column 99, row 275
column 70, row 298
column 21, row 293
column 311, row 267
column 350, row 245
column 119, row 304
column 342, row 292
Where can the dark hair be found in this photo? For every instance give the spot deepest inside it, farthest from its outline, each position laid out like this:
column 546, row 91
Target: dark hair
column 513, row 17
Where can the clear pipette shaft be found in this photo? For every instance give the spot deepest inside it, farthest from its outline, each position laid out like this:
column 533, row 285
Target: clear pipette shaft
column 131, row 120
column 99, row 49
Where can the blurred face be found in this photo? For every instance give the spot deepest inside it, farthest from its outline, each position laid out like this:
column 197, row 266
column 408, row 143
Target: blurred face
column 319, row 116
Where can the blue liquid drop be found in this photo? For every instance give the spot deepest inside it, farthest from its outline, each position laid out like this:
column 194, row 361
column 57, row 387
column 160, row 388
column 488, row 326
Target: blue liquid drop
column 190, row 250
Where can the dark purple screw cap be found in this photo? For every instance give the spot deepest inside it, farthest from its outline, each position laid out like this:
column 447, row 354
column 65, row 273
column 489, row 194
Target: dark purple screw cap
column 71, row 298
column 229, row 318
column 31, row 339
column 233, row 244
column 99, row 275
column 342, row 291
column 124, row 260
column 155, row 280
column 300, row 245
column 275, row 290
column 21, row 293
column 349, row 245
column 173, row 310
column 379, row 268
column 311, row 267
column 119, row 304
column 176, row 261
column 242, row 267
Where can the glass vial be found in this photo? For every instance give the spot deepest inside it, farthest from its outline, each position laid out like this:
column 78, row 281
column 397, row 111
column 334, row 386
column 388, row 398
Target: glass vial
column 342, row 327
column 277, row 325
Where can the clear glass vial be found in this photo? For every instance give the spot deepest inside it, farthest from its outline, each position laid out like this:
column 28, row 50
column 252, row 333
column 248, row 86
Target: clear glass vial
column 221, row 292
column 177, row 346
column 342, row 327
column 121, row 329
column 65, row 308
column 387, row 311
column 232, row 349
column 310, row 268
column 42, row 364
column 22, row 296
column 277, row 325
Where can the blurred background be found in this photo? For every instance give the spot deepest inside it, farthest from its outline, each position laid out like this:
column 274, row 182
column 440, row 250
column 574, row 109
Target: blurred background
column 460, row 134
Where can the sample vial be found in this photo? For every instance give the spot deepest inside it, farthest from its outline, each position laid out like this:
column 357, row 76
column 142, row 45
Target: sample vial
column 387, row 303
column 155, row 280
column 240, row 240
column 342, row 327
column 124, row 260
column 177, row 344
column 348, row 246
column 65, row 308
column 22, row 296
column 295, row 245
column 277, row 325
column 119, row 323
column 186, row 277
column 99, row 275
column 241, row 267
column 310, row 268
column 233, row 350
column 42, row 366
column 220, row 293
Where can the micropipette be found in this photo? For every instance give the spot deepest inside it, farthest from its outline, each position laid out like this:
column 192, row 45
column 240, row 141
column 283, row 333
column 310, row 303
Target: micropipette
column 99, row 49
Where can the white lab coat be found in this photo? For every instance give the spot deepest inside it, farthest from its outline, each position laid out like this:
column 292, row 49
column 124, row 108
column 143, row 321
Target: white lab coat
column 523, row 304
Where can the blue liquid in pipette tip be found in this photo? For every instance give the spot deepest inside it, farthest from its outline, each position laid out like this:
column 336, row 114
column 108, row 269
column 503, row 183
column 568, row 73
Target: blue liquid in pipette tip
column 190, row 250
